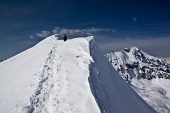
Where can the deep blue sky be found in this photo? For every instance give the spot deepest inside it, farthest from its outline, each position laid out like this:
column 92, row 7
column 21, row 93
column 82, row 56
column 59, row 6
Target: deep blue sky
column 116, row 24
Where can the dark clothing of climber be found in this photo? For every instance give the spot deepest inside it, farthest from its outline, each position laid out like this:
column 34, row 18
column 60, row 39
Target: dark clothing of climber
column 65, row 37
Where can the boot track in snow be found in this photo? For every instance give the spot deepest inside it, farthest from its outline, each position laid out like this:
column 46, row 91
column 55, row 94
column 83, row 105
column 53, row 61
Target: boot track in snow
column 52, row 86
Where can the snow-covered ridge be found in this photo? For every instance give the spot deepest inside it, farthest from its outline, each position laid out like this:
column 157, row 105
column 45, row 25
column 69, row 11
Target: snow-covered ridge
column 65, row 77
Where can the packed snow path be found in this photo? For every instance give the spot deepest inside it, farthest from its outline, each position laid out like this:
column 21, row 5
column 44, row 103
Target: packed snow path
column 61, row 78
column 65, row 77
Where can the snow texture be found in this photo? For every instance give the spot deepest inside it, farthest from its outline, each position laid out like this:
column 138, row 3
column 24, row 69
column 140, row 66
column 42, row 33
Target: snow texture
column 65, row 77
column 147, row 75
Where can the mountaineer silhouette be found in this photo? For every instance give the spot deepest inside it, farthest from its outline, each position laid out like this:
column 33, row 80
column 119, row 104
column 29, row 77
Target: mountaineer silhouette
column 65, row 37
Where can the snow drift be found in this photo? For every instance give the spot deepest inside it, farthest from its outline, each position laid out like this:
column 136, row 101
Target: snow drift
column 147, row 75
column 65, row 77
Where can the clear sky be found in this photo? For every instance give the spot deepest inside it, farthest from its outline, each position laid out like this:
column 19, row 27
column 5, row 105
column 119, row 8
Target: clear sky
column 116, row 24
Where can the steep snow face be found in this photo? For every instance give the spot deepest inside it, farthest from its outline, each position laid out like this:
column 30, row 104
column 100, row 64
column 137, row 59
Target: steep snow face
column 65, row 77
column 143, row 73
column 113, row 95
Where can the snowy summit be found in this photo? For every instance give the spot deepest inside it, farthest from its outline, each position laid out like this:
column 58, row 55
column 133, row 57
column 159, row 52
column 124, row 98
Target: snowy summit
column 65, row 77
column 147, row 75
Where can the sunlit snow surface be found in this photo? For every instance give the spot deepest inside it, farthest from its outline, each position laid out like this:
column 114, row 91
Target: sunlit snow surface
column 65, row 77
column 156, row 91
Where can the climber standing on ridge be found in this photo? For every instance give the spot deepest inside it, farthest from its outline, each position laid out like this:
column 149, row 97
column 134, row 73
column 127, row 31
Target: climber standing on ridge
column 65, row 37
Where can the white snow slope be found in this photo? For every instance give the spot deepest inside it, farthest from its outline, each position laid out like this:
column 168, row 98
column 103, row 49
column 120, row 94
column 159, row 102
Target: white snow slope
column 65, row 77
column 148, row 76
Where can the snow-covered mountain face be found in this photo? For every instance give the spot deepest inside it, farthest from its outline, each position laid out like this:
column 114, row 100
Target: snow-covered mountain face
column 65, row 77
column 147, row 75
column 132, row 62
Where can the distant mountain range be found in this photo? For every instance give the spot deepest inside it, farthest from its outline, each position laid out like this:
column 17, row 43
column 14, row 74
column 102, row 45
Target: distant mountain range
column 132, row 62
